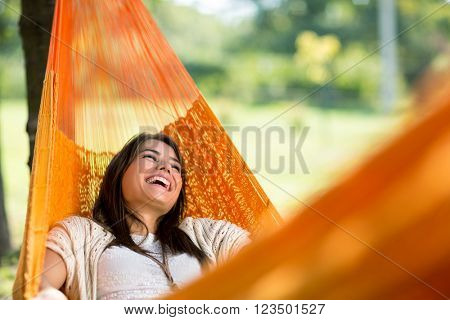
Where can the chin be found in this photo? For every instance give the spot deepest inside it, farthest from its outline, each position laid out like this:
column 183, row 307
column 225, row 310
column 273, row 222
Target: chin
column 163, row 204
column 160, row 198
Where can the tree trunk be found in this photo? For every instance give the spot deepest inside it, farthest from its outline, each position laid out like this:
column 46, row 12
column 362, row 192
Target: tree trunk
column 35, row 27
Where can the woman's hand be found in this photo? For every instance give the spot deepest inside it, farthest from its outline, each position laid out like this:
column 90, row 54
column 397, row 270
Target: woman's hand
column 50, row 293
column 53, row 276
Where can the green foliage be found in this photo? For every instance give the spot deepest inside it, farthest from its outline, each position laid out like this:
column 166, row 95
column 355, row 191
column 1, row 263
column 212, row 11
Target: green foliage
column 9, row 39
column 355, row 24
column 196, row 38
column 259, row 77
column 427, row 41
column 8, row 265
column 288, row 50
column 320, row 59
column 12, row 79
column 292, row 47
column 314, row 56
column 12, row 76
column 357, row 81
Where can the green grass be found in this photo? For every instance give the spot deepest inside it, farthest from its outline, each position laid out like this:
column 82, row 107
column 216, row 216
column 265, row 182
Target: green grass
column 8, row 266
column 336, row 142
column 14, row 157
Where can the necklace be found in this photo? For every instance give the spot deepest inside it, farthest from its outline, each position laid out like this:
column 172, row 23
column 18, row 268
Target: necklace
column 165, row 267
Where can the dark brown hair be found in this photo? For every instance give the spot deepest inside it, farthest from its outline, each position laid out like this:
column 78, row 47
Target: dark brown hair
column 110, row 209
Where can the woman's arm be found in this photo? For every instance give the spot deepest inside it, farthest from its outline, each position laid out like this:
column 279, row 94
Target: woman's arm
column 53, row 277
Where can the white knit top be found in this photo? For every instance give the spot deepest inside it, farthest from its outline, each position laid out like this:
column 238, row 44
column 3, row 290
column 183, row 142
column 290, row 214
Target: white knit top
column 125, row 274
column 81, row 243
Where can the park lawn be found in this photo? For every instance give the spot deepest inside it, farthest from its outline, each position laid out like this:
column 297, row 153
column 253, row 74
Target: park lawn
column 14, row 157
column 336, row 141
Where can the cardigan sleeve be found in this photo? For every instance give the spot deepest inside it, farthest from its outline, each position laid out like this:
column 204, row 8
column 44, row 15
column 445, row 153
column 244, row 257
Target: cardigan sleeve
column 219, row 239
column 66, row 238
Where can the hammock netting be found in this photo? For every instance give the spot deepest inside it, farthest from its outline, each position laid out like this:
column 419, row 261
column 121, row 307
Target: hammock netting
column 380, row 233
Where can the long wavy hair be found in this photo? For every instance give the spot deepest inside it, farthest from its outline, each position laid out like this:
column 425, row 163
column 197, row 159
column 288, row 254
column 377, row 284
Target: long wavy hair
column 110, row 209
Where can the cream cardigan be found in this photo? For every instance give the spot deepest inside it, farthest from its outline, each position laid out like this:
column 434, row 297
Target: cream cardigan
column 80, row 242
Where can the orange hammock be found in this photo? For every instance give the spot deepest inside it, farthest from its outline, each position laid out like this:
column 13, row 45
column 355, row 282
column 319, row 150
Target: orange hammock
column 110, row 75
column 381, row 233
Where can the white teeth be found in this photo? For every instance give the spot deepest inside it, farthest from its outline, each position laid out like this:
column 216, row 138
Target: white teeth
column 163, row 180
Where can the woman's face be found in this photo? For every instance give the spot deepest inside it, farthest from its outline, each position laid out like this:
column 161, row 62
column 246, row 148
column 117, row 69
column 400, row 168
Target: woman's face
column 153, row 180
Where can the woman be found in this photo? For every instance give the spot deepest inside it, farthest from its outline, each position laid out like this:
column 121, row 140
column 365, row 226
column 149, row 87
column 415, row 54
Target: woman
column 135, row 245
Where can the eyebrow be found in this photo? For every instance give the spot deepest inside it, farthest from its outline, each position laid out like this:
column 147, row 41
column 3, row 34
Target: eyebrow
column 158, row 153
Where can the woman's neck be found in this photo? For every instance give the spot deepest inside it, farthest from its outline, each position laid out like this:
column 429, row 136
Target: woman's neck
column 138, row 228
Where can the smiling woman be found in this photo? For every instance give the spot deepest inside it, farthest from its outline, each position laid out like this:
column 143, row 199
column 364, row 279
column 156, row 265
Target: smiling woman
column 136, row 245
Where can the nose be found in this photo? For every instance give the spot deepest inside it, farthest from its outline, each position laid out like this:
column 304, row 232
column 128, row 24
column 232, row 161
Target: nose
column 163, row 166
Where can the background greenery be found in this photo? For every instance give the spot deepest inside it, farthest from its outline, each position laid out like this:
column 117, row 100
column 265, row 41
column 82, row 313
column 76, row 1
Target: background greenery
column 252, row 68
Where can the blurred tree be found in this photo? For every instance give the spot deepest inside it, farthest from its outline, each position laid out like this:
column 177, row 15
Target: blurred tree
column 315, row 54
column 11, row 66
column 278, row 23
column 8, row 43
column 8, row 19
column 5, row 242
column 35, row 27
column 199, row 40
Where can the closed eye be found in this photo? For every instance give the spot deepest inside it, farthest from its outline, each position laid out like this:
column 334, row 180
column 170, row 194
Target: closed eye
column 149, row 156
column 154, row 159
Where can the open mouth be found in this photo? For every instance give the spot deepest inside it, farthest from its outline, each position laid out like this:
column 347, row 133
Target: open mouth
column 157, row 180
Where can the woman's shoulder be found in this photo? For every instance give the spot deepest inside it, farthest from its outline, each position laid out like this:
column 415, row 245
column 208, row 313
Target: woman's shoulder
column 219, row 239
column 79, row 225
column 74, row 221
column 208, row 225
